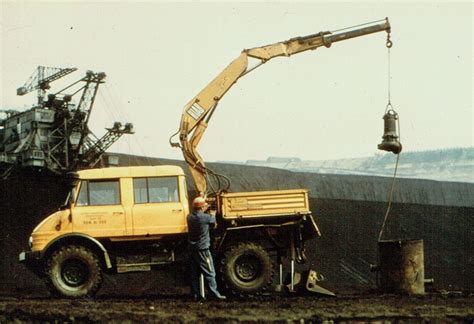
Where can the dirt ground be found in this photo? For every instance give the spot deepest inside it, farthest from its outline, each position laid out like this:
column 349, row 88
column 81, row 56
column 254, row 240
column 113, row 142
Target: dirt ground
column 366, row 308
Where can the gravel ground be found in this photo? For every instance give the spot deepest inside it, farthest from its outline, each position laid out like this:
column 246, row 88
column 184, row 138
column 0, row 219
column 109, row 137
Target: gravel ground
column 368, row 308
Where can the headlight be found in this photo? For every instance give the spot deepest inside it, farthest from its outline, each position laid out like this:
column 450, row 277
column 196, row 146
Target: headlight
column 30, row 241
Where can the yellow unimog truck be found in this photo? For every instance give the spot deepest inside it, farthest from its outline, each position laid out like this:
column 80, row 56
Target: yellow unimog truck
column 127, row 219
column 133, row 219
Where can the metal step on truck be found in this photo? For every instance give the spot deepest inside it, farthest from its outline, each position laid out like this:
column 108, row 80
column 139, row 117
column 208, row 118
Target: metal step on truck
column 126, row 219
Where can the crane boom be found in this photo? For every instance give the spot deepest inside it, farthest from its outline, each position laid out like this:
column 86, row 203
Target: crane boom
column 198, row 111
column 41, row 78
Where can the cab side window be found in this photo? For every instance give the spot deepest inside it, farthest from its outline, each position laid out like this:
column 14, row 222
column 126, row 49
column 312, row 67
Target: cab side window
column 140, row 191
column 155, row 190
column 97, row 193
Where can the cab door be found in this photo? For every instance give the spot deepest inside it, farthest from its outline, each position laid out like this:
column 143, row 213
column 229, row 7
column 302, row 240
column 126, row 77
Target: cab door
column 157, row 207
column 98, row 209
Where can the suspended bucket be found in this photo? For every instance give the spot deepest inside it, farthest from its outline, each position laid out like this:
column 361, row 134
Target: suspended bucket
column 401, row 267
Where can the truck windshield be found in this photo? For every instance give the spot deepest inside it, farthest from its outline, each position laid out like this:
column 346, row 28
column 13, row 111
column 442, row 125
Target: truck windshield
column 96, row 193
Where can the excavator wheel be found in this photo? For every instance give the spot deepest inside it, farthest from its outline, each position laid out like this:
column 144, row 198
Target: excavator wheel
column 247, row 269
column 73, row 271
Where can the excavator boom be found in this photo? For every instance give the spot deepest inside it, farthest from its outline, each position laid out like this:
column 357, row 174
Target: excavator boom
column 198, row 111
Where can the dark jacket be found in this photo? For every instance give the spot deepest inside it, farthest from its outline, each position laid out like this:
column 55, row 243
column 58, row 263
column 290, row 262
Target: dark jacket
column 198, row 230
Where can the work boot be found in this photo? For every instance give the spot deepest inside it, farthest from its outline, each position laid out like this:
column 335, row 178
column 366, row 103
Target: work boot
column 199, row 298
column 219, row 297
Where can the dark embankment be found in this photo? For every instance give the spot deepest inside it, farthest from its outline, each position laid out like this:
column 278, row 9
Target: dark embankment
column 349, row 211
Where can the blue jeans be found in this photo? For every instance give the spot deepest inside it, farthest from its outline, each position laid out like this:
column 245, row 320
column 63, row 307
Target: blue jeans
column 201, row 262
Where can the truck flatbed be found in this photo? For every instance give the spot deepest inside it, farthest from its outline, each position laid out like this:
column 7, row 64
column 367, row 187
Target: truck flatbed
column 264, row 204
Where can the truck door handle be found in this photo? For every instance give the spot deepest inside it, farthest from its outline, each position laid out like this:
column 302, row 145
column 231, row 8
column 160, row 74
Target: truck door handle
column 177, row 210
column 117, row 213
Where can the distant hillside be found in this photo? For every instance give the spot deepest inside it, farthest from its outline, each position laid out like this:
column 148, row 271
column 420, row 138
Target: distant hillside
column 456, row 164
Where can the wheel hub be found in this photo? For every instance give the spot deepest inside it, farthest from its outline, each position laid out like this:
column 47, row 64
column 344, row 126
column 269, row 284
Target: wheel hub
column 247, row 267
column 74, row 272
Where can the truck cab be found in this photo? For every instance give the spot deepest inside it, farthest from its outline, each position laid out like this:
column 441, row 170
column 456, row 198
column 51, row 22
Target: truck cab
column 120, row 203
column 115, row 220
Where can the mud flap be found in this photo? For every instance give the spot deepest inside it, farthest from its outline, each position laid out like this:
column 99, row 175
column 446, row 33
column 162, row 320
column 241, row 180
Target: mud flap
column 307, row 282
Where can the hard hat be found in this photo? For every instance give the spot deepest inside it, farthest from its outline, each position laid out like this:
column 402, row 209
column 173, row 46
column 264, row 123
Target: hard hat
column 199, row 202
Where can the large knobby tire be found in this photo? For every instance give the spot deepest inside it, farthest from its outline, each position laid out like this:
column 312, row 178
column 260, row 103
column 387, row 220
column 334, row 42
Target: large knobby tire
column 247, row 269
column 74, row 271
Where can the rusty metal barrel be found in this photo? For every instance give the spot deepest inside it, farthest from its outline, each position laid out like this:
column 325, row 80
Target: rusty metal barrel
column 401, row 267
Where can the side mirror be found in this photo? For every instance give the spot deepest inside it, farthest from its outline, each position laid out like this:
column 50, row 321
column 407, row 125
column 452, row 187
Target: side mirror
column 69, row 200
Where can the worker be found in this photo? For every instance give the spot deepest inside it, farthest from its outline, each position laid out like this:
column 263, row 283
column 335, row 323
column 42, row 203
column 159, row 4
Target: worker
column 199, row 243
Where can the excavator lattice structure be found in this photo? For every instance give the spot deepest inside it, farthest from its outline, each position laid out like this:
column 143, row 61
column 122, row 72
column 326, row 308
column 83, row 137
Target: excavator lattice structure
column 53, row 134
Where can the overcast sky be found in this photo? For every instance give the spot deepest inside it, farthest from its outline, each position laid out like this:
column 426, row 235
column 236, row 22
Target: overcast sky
column 316, row 105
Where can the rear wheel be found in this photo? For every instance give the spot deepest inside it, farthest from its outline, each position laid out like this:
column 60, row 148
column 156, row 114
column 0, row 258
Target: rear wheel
column 74, row 271
column 247, row 269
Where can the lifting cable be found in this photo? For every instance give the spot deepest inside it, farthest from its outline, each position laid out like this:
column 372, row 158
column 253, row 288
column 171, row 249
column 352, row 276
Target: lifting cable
column 390, row 196
column 112, row 98
column 388, row 109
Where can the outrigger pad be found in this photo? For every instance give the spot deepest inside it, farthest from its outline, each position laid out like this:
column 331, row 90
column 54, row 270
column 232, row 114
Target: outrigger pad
column 307, row 282
column 312, row 286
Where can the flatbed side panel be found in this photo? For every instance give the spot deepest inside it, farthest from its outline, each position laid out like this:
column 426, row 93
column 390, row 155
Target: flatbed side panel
column 264, row 203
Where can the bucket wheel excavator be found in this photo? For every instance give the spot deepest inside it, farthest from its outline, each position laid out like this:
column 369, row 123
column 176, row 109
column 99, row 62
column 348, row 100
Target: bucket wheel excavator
column 54, row 133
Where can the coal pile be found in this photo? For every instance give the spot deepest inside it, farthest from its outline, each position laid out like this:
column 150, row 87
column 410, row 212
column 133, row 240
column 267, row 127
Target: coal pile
column 349, row 211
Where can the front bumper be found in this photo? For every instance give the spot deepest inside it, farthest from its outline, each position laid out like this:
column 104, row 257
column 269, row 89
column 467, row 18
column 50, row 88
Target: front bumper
column 27, row 257
column 33, row 261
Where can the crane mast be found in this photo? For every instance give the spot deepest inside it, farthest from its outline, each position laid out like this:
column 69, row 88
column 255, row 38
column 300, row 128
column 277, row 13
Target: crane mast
column 198, row 111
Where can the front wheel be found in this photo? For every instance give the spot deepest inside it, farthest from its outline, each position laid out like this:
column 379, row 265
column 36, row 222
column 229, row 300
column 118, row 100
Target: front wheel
column 74, row 271
column 247, row 269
